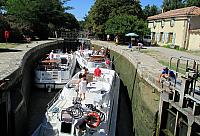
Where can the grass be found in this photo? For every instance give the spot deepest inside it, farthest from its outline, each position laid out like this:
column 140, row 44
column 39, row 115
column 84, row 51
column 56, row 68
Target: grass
column 151, row 53
column 194, row 52
column 8, row 45
column 165, row 61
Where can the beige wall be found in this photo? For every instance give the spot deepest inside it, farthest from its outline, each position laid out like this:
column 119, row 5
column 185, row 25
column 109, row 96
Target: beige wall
column 178, row 29
column 194, row 42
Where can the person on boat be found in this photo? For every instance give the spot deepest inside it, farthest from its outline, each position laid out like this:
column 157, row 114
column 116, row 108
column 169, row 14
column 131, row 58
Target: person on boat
column 83, row 87
column 102, row 51
column 85, row 71
column 97, row 72
column 80, row 125
column 80, row 76
column 107, row 62
column 107, row 53
column 51, row 55
column 93, row 50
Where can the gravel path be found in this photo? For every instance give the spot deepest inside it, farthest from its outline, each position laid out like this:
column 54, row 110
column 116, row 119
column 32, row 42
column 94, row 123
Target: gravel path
column 172, row 52
column 10, row 59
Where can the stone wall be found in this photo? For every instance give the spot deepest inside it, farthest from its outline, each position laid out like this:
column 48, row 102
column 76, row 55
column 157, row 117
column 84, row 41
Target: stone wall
column 143, row 96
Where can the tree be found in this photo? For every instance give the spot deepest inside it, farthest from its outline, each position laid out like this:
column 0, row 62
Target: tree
column 103, row 10
column 172, row 4
column 98, row 15
column 192, row 3
column 39, row 17
column 2, row 6
column 150, row 11
column 127, row 7
column 19, row 17
column 124, row 24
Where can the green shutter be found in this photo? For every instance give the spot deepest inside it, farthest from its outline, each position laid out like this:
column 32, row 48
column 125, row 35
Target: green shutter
column 174, row 38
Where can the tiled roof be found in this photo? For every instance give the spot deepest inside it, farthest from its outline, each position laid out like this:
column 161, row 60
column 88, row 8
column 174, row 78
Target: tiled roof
column 182, row 12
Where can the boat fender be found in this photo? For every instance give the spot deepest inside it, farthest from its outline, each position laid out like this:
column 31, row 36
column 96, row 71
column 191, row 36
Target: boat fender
column 94, row 124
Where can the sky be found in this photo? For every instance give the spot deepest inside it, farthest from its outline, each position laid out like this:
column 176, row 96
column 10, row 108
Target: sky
column 81, row 7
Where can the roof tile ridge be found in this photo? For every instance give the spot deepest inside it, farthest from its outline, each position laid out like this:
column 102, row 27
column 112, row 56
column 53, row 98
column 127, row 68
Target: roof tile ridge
column 191, row 9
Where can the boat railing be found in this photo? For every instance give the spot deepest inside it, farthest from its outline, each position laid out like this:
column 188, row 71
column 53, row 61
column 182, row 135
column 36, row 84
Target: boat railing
column 53, row 100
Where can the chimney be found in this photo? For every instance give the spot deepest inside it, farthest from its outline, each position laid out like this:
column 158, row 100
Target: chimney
column 162, row 11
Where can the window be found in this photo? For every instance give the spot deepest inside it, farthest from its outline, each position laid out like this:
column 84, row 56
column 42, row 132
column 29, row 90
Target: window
column 170, row 37
column 154, row 24
column 153, row 37
column 161, row 35
column 162, row 23
column 172, row 22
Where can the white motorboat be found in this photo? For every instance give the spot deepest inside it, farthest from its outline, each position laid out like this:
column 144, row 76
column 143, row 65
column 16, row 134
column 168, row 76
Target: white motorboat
column 100, row 107
column 90, row 59
column 55, row 71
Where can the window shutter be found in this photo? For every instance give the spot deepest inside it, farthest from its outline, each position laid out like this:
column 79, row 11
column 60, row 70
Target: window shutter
column 166, row 37
column 173, row 39
column 163, row 37
column 158, row 37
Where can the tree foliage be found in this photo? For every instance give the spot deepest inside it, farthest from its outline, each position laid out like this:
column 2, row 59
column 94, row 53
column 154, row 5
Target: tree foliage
column 172, row 4
column 123, row 24
column 150, row 10
column 175, row 4
column 104, row 10
column 39, row 17
column 192, row 3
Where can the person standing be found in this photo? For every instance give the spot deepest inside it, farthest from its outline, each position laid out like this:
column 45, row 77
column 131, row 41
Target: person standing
column 85, row 71
column 108, row 37
column 107, row 53
column 97, row 72
column 93, row 51
column 83, row 87
column 117, row 39
column 51, row 55
column 107, row 62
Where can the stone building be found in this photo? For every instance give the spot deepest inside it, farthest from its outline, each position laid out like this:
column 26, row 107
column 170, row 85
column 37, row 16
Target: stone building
column 178, row 28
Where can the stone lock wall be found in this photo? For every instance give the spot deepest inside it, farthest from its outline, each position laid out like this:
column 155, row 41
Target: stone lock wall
column 144, row 98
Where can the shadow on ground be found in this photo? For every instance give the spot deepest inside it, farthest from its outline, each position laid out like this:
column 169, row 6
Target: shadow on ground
column 125, row 117
column 9, row 50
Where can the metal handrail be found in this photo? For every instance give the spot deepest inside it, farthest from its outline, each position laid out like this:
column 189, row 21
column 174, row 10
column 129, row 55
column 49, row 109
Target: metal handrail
column 54, row 99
